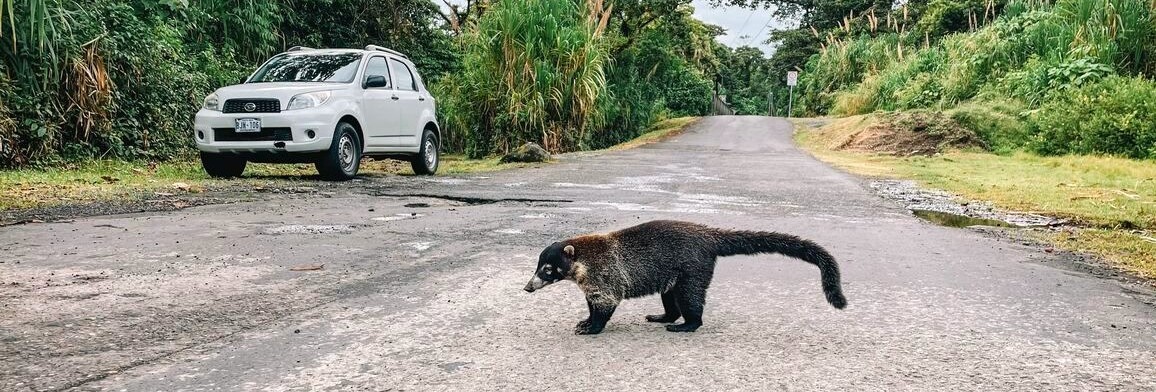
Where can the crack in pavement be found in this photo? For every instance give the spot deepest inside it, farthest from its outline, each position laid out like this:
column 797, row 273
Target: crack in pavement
column 470, row 200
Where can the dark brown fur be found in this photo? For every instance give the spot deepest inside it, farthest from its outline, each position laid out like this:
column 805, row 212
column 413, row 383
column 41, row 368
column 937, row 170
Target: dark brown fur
column 673, row 258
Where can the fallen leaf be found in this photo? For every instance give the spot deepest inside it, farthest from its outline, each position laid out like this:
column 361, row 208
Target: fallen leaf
column 307, row 267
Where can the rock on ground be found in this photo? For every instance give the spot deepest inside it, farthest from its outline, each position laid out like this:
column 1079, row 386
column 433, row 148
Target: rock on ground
column 529, row 152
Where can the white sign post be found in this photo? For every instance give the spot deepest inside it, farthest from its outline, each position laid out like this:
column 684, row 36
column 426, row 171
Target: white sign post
column 792, row 80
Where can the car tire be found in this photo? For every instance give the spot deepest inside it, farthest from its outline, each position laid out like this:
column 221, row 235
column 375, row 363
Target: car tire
column 222, row 165
column 343, row 159
column 427, row 160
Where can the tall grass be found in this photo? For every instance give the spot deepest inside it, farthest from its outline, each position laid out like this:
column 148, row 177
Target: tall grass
column 533, row 71
column 1066, row 44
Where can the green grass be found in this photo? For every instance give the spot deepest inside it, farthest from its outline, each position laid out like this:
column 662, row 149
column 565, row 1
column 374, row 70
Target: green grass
column 114, row 179
column 659, row 131
column 1112, row 199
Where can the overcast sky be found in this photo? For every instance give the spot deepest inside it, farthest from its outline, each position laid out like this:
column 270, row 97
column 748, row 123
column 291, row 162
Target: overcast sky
column 744, row 26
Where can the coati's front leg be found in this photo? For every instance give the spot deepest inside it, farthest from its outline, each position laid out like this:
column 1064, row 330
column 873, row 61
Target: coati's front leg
column 585, row 323
column 669, row 306
column 601, row 308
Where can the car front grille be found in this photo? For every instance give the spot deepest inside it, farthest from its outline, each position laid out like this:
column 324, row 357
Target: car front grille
column 260, row 105
column 265, row 135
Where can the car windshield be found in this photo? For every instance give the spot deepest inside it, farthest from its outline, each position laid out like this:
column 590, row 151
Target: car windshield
column 309, row 67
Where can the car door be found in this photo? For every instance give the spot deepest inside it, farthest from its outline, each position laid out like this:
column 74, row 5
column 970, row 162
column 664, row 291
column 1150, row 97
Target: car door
column 409, row 116
column 380, row 107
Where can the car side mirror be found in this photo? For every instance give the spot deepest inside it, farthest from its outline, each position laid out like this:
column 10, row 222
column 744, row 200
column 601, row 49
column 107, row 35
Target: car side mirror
column 375, row 81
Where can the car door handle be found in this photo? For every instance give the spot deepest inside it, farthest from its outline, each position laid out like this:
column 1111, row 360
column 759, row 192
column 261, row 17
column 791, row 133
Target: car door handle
column 422, row 98
column 393, row 98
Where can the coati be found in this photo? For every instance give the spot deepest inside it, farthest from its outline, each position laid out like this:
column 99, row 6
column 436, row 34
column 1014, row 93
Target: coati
column 674, row 258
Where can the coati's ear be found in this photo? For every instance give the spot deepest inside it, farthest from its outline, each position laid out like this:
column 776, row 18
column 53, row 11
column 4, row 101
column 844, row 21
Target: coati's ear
column 569, row 250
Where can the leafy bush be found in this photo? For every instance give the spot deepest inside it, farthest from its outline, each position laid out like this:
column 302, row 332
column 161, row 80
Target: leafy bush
column 1115, row 116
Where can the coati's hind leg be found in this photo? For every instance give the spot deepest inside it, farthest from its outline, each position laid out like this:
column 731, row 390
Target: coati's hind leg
column 669, row 306
column 601, row 308
column 691, row 297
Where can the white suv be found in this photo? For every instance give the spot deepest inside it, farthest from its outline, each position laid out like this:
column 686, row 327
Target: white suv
column 325, row 106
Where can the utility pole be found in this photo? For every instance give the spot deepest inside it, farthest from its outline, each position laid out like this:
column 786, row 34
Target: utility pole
column 792, row 80
column 771, row 103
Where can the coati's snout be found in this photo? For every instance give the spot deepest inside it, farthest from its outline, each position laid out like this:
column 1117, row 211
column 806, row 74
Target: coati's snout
column 553, row 265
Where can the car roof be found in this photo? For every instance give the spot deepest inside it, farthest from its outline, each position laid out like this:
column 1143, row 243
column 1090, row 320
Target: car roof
column 367, row 49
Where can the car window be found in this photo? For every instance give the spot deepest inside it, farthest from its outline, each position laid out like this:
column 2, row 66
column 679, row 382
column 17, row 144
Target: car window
column 378, row 66
column 309, row 67
column 405, row 79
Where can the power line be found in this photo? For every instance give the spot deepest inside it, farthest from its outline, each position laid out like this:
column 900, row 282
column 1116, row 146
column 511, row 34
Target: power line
column 741, row 29
column 760, row 33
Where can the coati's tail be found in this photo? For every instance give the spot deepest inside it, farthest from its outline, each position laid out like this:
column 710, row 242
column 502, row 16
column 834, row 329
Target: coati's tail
column 751, row 242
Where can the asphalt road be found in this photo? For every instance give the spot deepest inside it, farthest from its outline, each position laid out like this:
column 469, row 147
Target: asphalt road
column 425, row 293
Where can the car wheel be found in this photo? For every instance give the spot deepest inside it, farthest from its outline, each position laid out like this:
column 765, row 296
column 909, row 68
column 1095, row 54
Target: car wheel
column 343, row 159
column 427, row 159
column 222, row 165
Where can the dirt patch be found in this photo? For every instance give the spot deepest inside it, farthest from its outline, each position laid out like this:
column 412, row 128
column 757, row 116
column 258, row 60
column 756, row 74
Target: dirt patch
column 911, row 133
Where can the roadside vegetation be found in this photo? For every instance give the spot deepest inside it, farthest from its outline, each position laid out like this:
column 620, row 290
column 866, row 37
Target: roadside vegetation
column 1053, row 78
column 1110, row 202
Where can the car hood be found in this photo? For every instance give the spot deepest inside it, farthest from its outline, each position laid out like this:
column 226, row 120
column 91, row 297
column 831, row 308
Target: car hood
column 279, row 90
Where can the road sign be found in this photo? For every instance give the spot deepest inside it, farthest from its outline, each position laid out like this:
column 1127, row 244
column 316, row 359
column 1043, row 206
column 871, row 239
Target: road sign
column 792, row 80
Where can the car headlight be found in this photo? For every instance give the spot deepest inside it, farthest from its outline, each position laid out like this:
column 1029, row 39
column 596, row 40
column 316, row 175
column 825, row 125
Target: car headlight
column 212, row 103
column 308, row 100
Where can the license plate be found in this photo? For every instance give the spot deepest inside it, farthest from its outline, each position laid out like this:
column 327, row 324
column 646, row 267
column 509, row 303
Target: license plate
column 248, row 125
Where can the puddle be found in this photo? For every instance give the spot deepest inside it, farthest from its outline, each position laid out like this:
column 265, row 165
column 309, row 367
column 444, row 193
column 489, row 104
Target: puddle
column 954, row 220
column 951, row 210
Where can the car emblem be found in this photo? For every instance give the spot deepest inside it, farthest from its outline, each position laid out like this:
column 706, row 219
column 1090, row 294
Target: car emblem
column 250, row 107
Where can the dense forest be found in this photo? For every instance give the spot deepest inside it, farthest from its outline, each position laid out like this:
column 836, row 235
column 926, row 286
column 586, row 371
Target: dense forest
column 123, row 78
